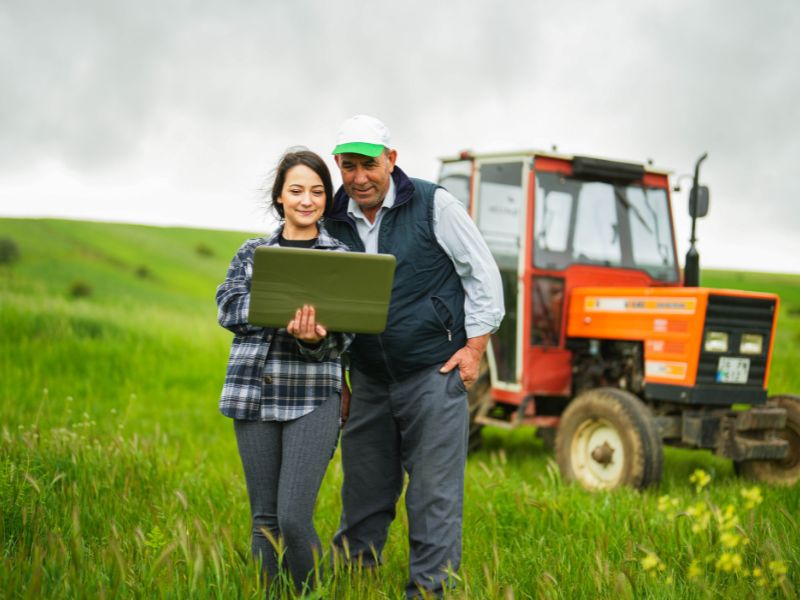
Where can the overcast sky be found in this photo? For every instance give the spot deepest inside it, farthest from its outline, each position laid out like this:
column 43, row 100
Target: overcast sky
column 174, row 112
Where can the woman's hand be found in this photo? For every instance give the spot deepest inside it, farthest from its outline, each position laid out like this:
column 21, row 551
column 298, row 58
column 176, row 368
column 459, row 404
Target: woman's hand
column 304, row 326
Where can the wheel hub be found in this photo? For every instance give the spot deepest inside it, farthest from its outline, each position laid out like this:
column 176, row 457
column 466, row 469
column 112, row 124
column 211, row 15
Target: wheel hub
column 598, row 454
column 603, row 454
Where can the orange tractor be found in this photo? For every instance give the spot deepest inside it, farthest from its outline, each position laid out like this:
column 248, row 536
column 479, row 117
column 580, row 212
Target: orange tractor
column 605, row 347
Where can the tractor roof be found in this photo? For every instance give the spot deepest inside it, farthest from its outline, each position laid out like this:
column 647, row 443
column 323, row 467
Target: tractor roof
column 469, row 154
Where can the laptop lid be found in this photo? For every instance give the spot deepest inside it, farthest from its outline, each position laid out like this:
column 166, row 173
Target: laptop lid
column 349, row 290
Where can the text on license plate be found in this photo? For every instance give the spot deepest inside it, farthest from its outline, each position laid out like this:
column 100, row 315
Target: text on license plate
column 733, row 370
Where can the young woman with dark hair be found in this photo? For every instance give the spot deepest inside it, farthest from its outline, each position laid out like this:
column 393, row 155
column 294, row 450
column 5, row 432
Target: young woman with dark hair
column 283, row 386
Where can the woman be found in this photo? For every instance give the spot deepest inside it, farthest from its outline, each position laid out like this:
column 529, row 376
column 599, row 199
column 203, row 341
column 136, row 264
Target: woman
column 283, row 386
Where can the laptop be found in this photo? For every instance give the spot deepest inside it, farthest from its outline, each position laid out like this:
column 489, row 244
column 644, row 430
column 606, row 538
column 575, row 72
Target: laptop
column 349, row 290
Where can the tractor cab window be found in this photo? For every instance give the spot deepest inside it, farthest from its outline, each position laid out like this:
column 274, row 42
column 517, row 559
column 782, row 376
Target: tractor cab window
column 651, row 237
column 454, row 177
column 596, row 239
column 552, row 220
column 600, row 223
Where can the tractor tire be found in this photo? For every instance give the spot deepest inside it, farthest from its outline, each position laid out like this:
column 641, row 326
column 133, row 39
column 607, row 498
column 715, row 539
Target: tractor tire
column 606, row 439
column 479, row 402
column 779, row 472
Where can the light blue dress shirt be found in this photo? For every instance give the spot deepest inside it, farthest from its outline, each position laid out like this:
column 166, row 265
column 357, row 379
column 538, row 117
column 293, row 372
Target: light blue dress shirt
column 462, row 242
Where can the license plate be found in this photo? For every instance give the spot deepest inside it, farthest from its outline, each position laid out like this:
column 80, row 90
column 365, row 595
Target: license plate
column 733, row 370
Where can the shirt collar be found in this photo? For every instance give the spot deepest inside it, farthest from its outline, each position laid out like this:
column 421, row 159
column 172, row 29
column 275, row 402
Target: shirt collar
column 354, row 210
column 324, row 239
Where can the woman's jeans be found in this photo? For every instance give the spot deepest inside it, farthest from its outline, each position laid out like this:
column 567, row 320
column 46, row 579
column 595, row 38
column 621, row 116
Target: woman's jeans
column 284, row 464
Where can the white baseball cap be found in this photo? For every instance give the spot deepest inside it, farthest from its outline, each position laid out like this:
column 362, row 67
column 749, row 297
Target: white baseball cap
column 362, row 134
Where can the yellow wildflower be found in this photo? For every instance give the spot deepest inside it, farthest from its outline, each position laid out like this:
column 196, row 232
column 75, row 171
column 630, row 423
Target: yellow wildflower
column 760, row 576
column 729, row 562
column 727, row 518
column 701, row 515
column 694, row 570
column 666, row 502
column 700, row 479
column 668, row 505
column 778, row 567
column 651, row 562
column 752, row 497
column 699, row 526
column 730, row 539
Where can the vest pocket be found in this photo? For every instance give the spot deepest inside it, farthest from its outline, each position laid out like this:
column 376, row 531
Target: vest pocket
column 443, row 315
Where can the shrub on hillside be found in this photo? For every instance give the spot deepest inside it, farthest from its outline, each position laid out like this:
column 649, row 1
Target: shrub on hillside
column 9, row 251
column 204, row 250
column 143, row 272
column 80, row 289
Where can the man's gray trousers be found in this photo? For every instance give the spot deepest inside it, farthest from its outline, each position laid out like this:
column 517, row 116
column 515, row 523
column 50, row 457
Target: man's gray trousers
column 418, row 426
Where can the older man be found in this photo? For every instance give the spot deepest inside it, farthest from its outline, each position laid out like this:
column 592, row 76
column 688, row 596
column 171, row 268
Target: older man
column 408, row 409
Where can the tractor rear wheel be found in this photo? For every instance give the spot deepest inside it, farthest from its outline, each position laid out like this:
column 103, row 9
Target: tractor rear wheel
column 607, row 438
column 479, row 402
column 786, row 471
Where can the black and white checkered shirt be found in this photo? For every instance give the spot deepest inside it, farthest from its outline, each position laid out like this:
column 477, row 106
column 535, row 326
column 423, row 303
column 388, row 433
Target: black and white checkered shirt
column 271, row 376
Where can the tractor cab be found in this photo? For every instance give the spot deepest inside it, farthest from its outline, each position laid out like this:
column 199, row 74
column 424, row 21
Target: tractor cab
column 603, row 347
column 554, row 223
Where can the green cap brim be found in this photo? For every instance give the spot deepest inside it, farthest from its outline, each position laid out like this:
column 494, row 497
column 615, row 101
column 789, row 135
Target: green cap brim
column 372, row 150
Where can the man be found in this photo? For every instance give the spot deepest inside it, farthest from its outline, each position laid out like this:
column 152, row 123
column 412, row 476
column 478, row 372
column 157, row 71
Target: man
column 408, row 409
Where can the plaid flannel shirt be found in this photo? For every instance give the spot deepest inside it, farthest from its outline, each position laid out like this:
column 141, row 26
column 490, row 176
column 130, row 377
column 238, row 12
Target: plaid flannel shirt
column 271, row 376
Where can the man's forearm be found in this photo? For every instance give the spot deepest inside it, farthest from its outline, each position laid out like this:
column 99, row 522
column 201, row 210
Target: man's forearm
column 479, row 343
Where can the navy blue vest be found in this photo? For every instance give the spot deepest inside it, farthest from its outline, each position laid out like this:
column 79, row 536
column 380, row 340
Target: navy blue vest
column 426, row 314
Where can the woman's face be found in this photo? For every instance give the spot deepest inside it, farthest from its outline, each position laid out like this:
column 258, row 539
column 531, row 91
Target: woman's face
column 303, row 200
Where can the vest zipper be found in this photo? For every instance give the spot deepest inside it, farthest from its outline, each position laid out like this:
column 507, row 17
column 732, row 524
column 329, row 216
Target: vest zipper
column 443, row 322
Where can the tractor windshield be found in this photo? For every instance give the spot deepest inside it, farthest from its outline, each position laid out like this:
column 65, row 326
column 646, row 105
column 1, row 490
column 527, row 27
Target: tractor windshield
column 601, row 223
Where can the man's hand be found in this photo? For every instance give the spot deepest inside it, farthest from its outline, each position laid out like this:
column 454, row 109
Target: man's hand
column 468, row 360
column 304, row 326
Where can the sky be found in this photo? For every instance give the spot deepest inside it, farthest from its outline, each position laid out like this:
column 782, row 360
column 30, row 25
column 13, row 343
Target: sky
column 174, row 112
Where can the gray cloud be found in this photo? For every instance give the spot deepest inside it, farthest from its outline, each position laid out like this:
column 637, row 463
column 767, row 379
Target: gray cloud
column 206, row 95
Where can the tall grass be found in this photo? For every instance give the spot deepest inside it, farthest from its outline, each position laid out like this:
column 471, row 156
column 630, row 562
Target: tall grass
column 119, row 479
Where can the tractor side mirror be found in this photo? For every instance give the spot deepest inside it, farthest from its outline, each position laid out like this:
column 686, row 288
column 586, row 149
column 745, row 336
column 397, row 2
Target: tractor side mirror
column 698, row 201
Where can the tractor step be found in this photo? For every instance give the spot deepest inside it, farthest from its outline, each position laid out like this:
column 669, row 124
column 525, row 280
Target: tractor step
column 501, row 423
column 514, row 420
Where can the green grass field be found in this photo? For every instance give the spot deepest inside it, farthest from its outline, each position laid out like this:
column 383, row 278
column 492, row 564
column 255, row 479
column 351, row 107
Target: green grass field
column 119, row 478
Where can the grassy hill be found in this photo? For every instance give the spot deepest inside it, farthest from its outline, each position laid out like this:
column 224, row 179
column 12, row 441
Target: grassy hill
column 99, row 312
column 119, row 478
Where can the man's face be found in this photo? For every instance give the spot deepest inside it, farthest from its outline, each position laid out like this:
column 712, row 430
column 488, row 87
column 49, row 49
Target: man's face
column 366, row 179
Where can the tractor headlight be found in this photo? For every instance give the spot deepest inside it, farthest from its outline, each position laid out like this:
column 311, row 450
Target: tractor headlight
column 716, row 341
column 751, row 343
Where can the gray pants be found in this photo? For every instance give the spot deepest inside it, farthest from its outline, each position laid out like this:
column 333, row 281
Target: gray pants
column 420, row 426
column 284, row 463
